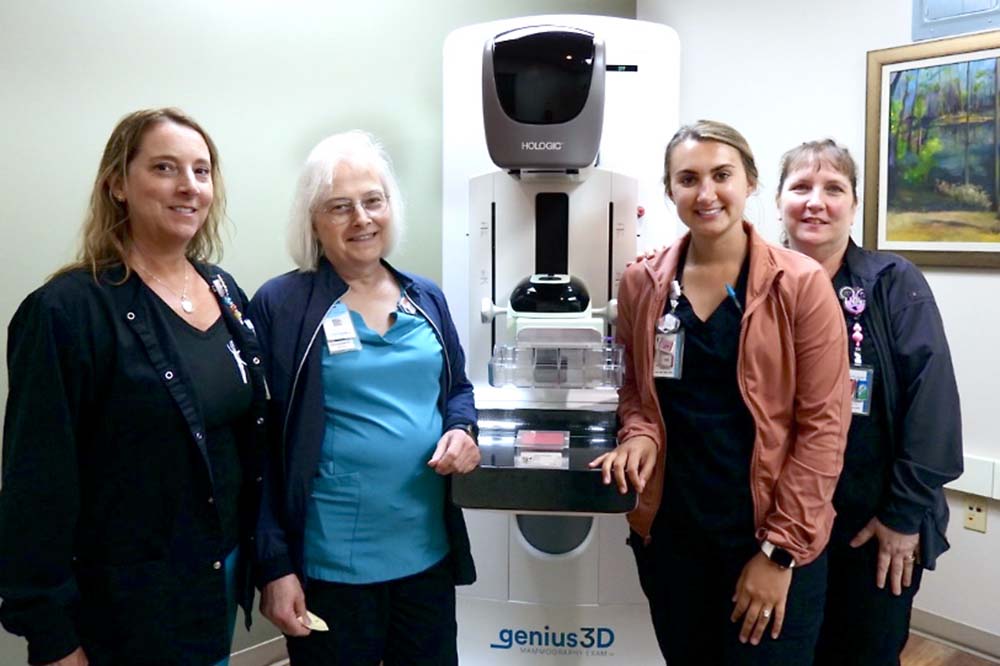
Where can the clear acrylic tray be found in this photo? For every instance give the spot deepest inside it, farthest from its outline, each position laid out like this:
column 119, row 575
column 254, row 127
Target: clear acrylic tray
column 591, row 366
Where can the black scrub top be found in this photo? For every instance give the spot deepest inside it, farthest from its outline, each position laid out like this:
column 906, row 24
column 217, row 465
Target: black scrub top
column 710, row 431
column 223, row 393
column 869, row 457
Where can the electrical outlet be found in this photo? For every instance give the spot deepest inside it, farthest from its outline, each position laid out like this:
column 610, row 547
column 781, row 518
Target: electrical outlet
column 975, row 514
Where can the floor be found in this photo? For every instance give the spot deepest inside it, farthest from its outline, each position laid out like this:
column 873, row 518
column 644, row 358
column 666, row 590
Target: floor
column 922, row 651
column 919, row 651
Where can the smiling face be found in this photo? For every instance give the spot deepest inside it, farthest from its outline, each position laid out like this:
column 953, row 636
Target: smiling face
column 817, row 206
column 167, row 188
column 708, row 183
column 357, row 242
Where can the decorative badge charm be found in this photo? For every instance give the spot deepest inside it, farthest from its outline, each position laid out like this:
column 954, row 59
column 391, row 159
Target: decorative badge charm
column 220, row 288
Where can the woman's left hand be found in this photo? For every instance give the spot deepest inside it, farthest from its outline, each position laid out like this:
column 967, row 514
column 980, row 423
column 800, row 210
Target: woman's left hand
column 896, row 554
column 760, row 597
column 456, row 453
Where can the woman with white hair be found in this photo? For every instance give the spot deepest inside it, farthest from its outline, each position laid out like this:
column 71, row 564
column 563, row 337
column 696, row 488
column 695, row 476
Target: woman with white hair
column 368, row 382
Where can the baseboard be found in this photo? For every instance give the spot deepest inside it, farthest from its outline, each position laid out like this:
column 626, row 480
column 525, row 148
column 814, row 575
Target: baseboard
column 262, row 654
column 961, row 636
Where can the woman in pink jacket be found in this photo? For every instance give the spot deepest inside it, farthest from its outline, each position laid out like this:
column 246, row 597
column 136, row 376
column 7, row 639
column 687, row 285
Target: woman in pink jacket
column 729, row 345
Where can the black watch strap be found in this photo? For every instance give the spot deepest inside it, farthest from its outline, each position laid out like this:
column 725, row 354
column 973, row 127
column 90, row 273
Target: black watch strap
column 778, row 555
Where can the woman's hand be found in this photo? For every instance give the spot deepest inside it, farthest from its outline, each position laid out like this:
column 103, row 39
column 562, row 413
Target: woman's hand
column 283, row 602
column 74, row 658
column 761, row 593
column 896, row 554
column 648, row 254
column 456, row 453
column 633, row 461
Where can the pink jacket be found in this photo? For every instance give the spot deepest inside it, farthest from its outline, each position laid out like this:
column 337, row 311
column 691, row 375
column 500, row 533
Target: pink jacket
column 793, row 375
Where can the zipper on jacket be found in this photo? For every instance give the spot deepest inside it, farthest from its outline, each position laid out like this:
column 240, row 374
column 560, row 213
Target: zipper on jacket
column 741, row 382
column 444, row 348
column 298, row 373
column 649, row 352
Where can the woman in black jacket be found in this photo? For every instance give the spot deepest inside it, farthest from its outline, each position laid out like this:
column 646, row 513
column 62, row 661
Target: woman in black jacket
column 133, row 439
column 905, row 440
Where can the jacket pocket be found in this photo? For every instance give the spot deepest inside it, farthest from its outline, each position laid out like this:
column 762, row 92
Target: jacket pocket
column 128, row 609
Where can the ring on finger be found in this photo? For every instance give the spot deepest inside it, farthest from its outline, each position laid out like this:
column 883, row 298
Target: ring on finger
column 766, row 613
column 910, row 558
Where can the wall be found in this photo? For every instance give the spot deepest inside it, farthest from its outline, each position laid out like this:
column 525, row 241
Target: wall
column 266, row 79
column 785, row 71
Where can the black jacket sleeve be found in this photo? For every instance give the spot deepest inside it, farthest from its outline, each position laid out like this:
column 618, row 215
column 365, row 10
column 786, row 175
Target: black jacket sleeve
column 49, row 366
column 927, row 419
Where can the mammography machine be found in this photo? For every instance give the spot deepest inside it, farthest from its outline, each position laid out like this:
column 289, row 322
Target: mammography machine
column 575, row 112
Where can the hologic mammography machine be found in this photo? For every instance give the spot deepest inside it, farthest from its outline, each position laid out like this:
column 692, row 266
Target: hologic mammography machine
column 554, row 130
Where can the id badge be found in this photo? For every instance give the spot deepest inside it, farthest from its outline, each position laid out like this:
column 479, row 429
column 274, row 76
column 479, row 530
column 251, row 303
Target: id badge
column 339, row 330
column 668, row 357
column 861, row 389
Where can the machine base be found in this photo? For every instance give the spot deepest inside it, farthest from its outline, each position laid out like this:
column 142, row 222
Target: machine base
column 497, row 632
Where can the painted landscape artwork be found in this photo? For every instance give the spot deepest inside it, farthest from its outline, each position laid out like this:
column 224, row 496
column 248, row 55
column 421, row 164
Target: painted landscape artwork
column 943, row 169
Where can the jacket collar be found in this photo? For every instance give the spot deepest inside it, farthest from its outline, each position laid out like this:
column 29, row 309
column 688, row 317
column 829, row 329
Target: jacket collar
column 866, row 264
column 124, row 291
column 326, row 287
column 331, row 283
column 127, row 293
column 763, row 268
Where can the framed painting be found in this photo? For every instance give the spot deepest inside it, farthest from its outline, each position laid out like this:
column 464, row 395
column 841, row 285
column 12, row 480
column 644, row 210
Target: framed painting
column 932, row 151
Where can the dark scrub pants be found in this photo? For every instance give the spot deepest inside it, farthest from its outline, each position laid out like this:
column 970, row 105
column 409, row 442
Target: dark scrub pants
column 864, row 626
column 690, row 585
column 405, row 622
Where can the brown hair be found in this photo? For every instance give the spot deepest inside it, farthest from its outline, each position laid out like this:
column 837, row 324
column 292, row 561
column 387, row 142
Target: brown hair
column 105, row 235
column 712, row 130
column 825, row 151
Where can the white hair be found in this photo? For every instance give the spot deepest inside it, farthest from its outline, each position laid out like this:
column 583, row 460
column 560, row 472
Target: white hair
column 359, row 148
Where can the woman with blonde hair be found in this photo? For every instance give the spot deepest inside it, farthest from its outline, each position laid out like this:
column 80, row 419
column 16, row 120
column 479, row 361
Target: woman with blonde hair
column 134, row 423
column 733, row 415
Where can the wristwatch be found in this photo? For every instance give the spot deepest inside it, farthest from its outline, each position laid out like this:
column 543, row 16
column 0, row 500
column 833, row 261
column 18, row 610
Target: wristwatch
column 471, row 429
column 778, row 555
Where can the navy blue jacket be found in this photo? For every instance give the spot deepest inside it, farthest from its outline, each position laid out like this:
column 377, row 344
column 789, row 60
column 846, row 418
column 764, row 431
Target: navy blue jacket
column 287, row 313
column 102, row 441
column 923, row 417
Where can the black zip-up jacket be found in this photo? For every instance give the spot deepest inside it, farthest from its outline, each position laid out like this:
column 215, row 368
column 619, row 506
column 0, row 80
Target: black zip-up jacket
column 923, row 417
column 288, row 312
column 102, row 436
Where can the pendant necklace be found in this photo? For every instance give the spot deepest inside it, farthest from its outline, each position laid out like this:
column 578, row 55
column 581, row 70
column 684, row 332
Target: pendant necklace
column 186, row 303
column 854, row 304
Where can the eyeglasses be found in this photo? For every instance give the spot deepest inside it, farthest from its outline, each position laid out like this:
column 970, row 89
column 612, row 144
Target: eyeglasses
column 341, row 211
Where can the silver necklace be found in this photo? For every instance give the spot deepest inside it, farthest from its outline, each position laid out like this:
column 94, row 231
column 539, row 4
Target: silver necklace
column 186, row 304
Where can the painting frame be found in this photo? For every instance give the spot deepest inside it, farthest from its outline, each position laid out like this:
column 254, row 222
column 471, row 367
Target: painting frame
column 961, row 49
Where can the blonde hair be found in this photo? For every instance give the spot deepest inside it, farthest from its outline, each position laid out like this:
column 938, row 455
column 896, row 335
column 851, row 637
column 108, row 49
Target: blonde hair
column 106, row 235
column 316, row 181
column 712, row 130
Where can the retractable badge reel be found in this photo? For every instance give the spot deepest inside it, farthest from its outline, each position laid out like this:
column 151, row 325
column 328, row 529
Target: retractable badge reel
column 668, row 356
column 861, row 375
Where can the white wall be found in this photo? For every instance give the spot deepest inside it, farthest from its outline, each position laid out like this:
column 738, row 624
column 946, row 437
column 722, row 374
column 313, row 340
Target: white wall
column 786, row 71
column 267, row 79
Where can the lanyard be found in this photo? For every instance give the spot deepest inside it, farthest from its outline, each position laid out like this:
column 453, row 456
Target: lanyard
column 854, row 304
column 669, row 323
